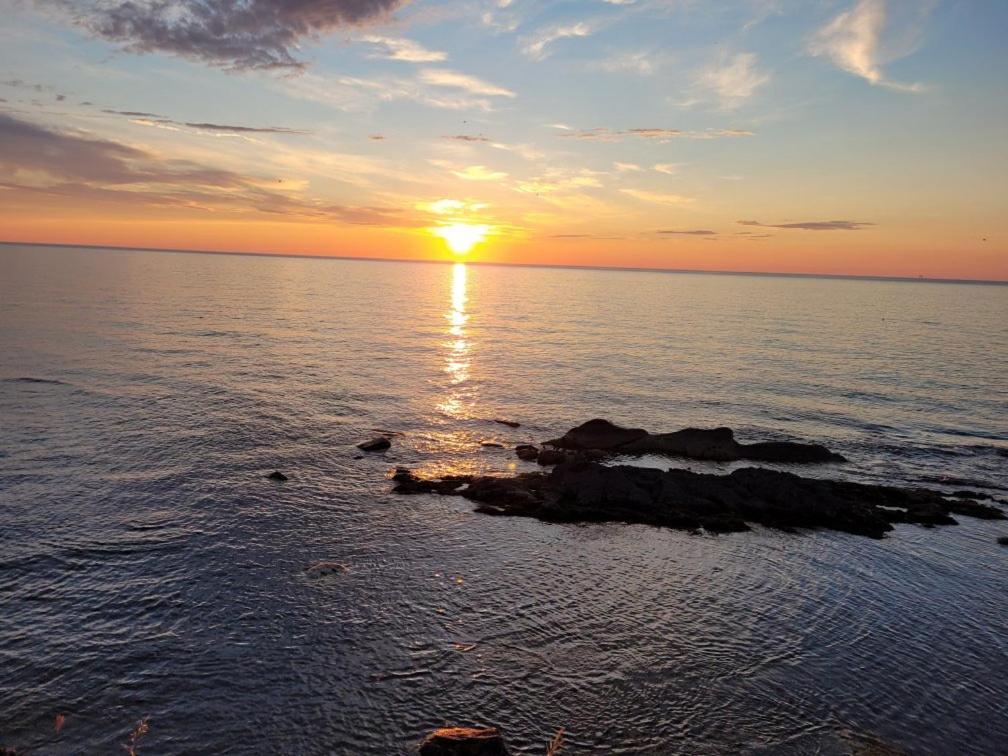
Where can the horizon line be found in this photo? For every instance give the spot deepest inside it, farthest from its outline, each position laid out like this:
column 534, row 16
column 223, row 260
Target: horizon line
column 625, row 269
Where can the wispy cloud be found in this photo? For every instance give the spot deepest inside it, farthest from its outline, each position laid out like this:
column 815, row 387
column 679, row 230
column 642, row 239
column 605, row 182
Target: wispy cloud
column 397, row 48
column 250, row 34
column 153, row 119
column 79, row 168
column 442, row 77
column 732, row 79
column 692, row 232
column 830, row 225
column 853, row 41
column 479, row 173
column 658, row 198
column 537, row 46
column 602, row 134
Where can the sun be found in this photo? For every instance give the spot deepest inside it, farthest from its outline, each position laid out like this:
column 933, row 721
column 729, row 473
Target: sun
column 461, row 237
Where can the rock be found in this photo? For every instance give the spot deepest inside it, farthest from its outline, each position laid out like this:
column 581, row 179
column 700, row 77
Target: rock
column 1003, row 540
column 491, row 445
column 321, row 569
column 508, row 423
column 1001, row 452
column 464, row 741
column 584, row 491
column 277, row 475
column 376, row 444
column 407, row 482
column 550, row 457
column 971, row 495
column 715, row 444
column 527, row 452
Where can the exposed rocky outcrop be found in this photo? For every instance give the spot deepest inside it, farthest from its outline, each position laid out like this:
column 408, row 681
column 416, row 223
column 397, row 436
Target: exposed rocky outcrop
column 464, row 741
column 376, row 444
column 277, row 475
column 592, row 492
column 1003, row 540
column 716, row 444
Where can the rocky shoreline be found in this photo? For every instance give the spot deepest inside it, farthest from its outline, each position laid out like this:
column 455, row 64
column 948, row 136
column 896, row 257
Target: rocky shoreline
column 581, row 488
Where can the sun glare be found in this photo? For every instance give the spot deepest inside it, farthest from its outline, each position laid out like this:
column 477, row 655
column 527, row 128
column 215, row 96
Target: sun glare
column 462, row 237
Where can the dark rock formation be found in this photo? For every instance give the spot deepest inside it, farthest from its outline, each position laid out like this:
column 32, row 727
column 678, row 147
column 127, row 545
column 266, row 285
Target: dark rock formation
column 527, row 452
column 464, row 741
column 971, row 495
column 508, row 423
column 1003, row 540
column 378, row 443
column 277, row 475
column 492, row 444
column 591, row 492
column 717, row 444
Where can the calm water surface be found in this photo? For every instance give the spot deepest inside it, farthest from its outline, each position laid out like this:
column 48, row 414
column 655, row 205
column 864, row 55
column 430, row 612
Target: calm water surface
column 148, row 569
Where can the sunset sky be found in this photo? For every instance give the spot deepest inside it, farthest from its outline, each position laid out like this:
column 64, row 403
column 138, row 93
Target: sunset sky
column 866, row 137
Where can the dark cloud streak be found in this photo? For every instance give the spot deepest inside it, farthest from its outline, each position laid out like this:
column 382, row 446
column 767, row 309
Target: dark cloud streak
column 831, row 225
column 236, row 34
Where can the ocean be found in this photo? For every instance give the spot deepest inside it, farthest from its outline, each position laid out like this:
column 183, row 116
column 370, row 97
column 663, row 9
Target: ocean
column 149, row 569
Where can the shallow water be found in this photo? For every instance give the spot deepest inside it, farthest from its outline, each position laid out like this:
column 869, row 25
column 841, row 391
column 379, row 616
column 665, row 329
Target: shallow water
column 148, row 569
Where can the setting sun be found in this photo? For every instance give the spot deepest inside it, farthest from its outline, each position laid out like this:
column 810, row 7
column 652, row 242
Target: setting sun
column 462, row 237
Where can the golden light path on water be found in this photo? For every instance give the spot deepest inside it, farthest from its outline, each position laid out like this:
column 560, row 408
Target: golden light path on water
column 457, row 357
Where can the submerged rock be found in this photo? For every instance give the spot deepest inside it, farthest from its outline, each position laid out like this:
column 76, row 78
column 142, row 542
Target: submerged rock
column 464, row 741
column 378, row 443
column 716, row 444
column 508, row 423
column 1003, row 540
column 321, row 569
column 491, row 444
column 592, row 492
column 277, row 475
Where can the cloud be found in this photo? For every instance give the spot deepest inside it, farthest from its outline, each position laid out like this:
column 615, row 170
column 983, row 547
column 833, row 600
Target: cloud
column 467, row 138
column 602, row 134
column 626, row 167
column 732, row 79
column 659, row 198
column 668, row 168
column 831, row 225
column 442, row 77
column 853, row 41
column 643, row 63
column 395, row 48
column 77, row 168
column 153, row 119
column 695, row 232
column 479, row 173
column 353, row 93
column 238, row 34
column 536, row 46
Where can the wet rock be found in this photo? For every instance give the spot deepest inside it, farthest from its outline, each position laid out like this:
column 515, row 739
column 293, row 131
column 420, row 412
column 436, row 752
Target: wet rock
column 491, row 444
column 715, row 444
column 407, row 482
column 508, row 423
column 971, row 495
column 582, row 491
column 321, row 569
column 527, row 452
column 464, row 741
column 1003, row 540
column 277, row 475
column 376, row 444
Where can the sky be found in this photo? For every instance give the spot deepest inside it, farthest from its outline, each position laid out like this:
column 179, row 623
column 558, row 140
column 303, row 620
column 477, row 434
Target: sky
column 866, row 137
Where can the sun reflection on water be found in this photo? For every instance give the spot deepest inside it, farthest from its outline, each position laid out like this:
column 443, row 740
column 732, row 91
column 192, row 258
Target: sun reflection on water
column 457, row 356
